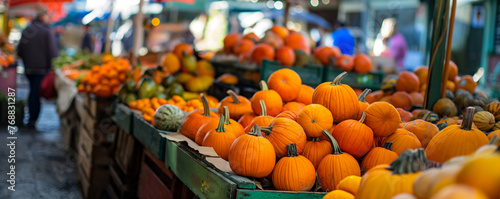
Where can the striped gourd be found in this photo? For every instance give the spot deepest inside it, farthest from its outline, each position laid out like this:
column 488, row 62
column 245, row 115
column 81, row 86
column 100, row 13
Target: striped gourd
column 168, row 117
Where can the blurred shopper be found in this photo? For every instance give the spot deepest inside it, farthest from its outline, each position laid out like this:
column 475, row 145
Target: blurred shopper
column 37, row 48
column 343, row 39
column 394, row 43
column 87, row 43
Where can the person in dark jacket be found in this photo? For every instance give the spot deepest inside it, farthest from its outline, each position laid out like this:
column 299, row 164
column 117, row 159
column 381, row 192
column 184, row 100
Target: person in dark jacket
column 37, row 48
column 87, row 44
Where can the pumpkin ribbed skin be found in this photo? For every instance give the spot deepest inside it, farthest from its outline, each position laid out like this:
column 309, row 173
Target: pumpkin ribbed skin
column 294, row 172
column 402, row 140
column 336, row 166
column 293, row 106
column 220, row 139
column 204, row 129
column 339, row 98
column 315, row 150
column 405, row 115
column 262, row 120
column 282, row 132
column 196, row 119
column 354, row 137
column 494, row 108
column 362, row 64
column 237, row 105
column 285, row 56
column 350, row 184
column 483, row 174
column 408, row 82
column 271, row 98
column 314, row 118
column 289, row 114
column 246, row 119
column 490, row 135
column 305, row 94
column 445, row 107
column 484, row 120
column 286, row 82
column 422, row 72
column 457, row 191
column 378, row 156
column 382, row 118
column 456, row 140
column 252, row 155
column 401, row 99
column 424, row 131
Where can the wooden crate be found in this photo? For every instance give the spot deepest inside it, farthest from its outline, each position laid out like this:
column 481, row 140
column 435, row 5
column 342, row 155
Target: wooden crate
column 122, row 115
column 93, row 187
column 98, row 107
column 158, row 182
column 117, row 188
column 127, row 158
column 149, row 136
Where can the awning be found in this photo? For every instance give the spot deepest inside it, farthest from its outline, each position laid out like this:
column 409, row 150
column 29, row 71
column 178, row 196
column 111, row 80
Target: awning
column 13, row 3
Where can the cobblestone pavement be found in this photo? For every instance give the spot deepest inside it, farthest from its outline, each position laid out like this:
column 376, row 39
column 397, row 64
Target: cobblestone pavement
column 43, row 169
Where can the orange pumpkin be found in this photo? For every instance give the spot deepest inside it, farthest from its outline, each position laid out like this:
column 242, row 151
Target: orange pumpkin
column 230, row 41
column 402, row 140
column 227, row 79
column 327, row 54
column 402, row 100
column 102, row 91
column 294, row 172
column 171, row 63
column 467, row 83
column 293, row 106
column 362, row 64
column 336, row 166
column 291, row 114
column 305, row 94
column 196, row 119
column 408, row 82
column 422, row 72
column 272, row 39
column 204, row 129
column 452, row 71
column 362, row 103
column 316, row 149
column 280, row 31
column 243, row 46
column 424, row 130
column 339, row 98
column 374, row 96
column 252, row 37
column 382, row 118
column 286, row 82
column 271, row 98
column 220, row 139
column 183, row 48
column 345, row 62
column 450, row 85
column 405, row 115
column 262, row 51
column 378, row 156
column 282, row 132
column 417, row 98
column 285, row 56
column 237, row 105
column 314, row 118
column 261, row 120
column 354, row 137
column 204, row 67
column 297, row 41
column 246, row 119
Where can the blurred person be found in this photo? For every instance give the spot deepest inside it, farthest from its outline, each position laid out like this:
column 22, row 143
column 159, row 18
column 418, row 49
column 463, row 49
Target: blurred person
column 87, row 43
column 37, row 48
column 342, row 38
column 396, row 42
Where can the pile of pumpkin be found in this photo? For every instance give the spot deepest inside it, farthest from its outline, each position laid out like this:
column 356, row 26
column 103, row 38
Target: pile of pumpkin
column 104, row 81
column 195, row 75
column 290, row 48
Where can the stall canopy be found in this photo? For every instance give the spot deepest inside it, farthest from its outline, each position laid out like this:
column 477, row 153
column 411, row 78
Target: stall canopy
column 13, row 3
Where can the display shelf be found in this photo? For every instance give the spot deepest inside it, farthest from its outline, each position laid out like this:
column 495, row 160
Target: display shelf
column 122, row 115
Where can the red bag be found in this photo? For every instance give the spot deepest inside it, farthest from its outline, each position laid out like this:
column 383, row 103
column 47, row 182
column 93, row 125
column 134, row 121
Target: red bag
column 47, row 88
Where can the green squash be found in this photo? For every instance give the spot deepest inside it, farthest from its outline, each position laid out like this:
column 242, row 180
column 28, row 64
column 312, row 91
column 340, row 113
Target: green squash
column 168, row 117
column 389, row 84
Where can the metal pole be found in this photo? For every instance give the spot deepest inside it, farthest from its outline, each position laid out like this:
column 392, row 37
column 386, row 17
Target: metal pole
column 138, row 33
column 448, row 50
column 109, row 29
column 286, row 12
column 438, row 52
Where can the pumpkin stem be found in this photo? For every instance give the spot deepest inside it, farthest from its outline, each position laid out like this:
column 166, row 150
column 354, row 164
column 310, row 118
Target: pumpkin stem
column 266, row 129
column 498, row 150
column 339, row 78
column 363, row 117
column 363, row 95
column 255, row 131
column 468, row 118
column 263, row 109
column 494, row 140
column 227, row 116
column 335, row 146
column 291, row 150
column 221, row 128
column 206, row 108
column 387, row 145
column 410, row 161
column 234, row 96
column 315, row 139
column 263, row 85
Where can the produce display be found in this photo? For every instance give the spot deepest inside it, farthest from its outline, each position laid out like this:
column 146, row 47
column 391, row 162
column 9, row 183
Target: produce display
column 7, row 53
column 104, row 81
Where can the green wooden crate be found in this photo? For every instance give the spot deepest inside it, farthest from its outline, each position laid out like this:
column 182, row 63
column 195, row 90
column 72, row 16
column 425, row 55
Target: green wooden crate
column 202, row 180
column 149, row 136
column 371, row 80
column 122, row 115
column 310, row 74
column 270, row 194
column 222, row 67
